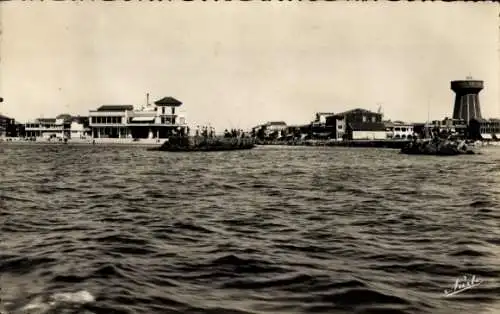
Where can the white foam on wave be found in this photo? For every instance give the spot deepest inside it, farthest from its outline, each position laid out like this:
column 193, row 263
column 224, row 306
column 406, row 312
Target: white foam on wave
column 36, row 306
column 57, row 299
column 80, row 297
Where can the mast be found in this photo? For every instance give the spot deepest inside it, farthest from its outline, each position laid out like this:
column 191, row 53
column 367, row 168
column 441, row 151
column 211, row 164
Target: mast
column 427, row 131
column 428, row 109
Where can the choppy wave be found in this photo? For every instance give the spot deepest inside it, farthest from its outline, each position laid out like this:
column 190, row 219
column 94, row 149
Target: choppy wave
column 272, row 230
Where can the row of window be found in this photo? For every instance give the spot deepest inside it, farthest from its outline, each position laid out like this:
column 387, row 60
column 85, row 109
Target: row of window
column 490, row 130
column 164, row 111
column 106, row 120
column 47, row 126
column 403, row 136
column 167, row 120
column 399, row 129
column 373, row 119
column 118, row 120
column 403, row 129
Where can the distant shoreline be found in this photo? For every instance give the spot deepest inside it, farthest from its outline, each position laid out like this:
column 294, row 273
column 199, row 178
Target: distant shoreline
column 390, row 144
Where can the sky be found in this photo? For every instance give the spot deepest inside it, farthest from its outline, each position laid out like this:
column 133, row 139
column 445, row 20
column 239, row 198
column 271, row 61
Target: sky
column 238, row 64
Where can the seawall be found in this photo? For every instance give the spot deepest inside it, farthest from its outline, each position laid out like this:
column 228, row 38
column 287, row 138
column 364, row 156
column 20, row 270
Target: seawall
column 395, row 144
column 88, row 141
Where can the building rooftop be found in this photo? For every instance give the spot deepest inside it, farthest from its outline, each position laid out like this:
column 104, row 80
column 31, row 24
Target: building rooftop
column 367, row 126
column 325, row 113
column 79, row 118
column 168, row 102
column 46, row 120
column 357, row 110
column 276, row 123
column 64, row 116
column 115, row 108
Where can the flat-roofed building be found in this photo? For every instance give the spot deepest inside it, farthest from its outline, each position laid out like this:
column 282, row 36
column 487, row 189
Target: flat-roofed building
column 110, row 121
column 62, row 127
column 357, row 124
column 158, row 120
column 44, row 127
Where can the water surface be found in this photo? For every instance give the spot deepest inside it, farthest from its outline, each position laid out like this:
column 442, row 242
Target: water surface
column 89, row 229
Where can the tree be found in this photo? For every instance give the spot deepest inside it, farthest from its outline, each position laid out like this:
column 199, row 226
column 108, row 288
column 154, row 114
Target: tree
column 261, row 133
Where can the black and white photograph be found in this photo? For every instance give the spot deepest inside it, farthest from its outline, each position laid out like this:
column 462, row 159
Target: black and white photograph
column 249, row 157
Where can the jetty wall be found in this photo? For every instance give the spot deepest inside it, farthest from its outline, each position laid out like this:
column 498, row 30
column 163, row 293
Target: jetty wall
column 395, row 144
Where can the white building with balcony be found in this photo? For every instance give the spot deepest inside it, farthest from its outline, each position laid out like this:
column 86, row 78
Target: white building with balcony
column 64, row 126
column 399, row 130
column 46, row 128
column 157, row 121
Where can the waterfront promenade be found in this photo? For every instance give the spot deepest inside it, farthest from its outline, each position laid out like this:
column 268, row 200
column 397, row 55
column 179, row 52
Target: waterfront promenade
column 86, row 141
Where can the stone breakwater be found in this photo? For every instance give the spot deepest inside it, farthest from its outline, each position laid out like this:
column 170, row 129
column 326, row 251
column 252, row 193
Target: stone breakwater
column 185, row 144
column 439, row 147
column 394, row 144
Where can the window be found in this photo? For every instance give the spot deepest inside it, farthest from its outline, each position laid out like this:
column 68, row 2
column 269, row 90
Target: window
column 374, row 119
column 364, row 118
column 340, row 127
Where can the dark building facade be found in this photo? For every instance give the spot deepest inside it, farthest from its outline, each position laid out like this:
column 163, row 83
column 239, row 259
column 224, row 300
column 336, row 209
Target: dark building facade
column 8, row 127
column 18, row 130
column 482, row 129
column 421, row 130
column 356, row 124
column 467, row 104
column 361, row 116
